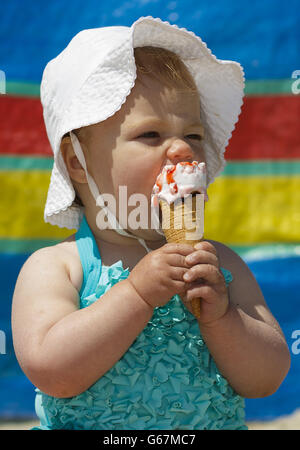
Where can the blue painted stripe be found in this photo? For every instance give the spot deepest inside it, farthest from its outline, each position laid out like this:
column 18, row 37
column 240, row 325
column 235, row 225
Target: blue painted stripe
column 280, row 283
column 264, row 38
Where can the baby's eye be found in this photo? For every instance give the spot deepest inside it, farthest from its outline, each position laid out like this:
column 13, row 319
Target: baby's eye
column 150, row 135
column 197, row 137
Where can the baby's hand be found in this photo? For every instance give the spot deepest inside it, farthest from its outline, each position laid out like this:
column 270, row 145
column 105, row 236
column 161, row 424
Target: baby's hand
column 159, row 275
column 205, row 280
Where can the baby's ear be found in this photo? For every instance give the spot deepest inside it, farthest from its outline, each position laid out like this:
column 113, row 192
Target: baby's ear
column 66, row 147
column 74, row 168
column 65, row 142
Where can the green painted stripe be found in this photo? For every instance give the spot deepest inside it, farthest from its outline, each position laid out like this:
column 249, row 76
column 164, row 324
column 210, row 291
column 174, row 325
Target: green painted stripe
column 25, row 163
column 262, row 168
column 252, row 87
column 264, row 87
column 25, row 245
column 23, row 89
column 267, row 251
column 247, row 253
column 232, row 168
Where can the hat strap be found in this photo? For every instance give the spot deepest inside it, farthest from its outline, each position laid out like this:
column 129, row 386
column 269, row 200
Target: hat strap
column 98, row 197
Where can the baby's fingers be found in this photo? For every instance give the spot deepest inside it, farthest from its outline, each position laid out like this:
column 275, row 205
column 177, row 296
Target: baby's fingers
column 177, row 273
column 206, row 246
column 208, row 272
column 178, row 249
column 203, row 257
column 197, row 290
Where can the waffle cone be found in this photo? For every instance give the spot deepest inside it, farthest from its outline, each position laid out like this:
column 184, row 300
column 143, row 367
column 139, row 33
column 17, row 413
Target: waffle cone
column 183, row 223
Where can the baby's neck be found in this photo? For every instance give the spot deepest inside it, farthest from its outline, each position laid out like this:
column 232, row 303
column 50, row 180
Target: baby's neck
column 130, row 255
column 114, row 238
column 114, row 247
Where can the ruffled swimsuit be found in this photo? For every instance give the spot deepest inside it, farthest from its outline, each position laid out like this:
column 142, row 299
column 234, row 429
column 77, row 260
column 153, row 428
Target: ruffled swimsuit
column 166, row 380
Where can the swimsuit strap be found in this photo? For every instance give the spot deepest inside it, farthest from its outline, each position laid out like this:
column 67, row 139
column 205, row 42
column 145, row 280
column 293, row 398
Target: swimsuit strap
column 89, row 257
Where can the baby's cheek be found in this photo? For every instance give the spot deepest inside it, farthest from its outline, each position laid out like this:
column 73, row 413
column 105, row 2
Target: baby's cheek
column 141, row 182
column 137, row 174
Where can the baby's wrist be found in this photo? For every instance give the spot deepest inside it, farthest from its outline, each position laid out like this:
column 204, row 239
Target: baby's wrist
column 218, row 323
column 140, row 297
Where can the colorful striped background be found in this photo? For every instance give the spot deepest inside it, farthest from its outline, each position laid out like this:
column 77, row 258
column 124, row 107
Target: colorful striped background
column 254, row 205
column 257, row 197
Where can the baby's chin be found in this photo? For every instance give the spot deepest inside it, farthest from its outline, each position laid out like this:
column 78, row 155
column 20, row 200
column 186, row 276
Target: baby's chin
column 149, row 235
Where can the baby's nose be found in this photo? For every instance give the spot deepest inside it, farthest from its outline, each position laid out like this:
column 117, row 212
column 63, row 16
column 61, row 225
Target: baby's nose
column 179, row 151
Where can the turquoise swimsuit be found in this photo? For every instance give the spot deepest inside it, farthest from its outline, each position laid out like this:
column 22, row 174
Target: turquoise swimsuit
column 166, row 380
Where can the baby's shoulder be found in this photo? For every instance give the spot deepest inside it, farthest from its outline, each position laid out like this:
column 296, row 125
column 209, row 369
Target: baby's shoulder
column 63, row 254
column 68, row 252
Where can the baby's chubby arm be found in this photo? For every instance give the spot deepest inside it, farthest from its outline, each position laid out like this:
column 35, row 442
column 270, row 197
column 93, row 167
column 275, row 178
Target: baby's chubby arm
column 62, row 349
column 240, row 331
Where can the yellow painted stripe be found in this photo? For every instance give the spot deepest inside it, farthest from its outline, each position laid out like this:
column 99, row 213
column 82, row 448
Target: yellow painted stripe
column 254, row 210
column 22, row 204
column 241, row 210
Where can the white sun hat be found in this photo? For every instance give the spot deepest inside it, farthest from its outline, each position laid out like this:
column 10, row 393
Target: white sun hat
column 91, row 78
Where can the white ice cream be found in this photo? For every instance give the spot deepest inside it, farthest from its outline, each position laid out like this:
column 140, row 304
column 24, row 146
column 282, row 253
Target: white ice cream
column 180, row 180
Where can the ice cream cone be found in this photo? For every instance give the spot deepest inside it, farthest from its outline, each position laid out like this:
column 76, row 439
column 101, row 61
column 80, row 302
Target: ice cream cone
column 183, row 223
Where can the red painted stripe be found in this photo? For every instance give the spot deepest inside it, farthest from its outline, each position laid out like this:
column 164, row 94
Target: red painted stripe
column 268, row 128
column 22, row 129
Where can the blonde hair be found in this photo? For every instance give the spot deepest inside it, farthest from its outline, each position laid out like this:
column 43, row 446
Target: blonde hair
column 165, row 66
